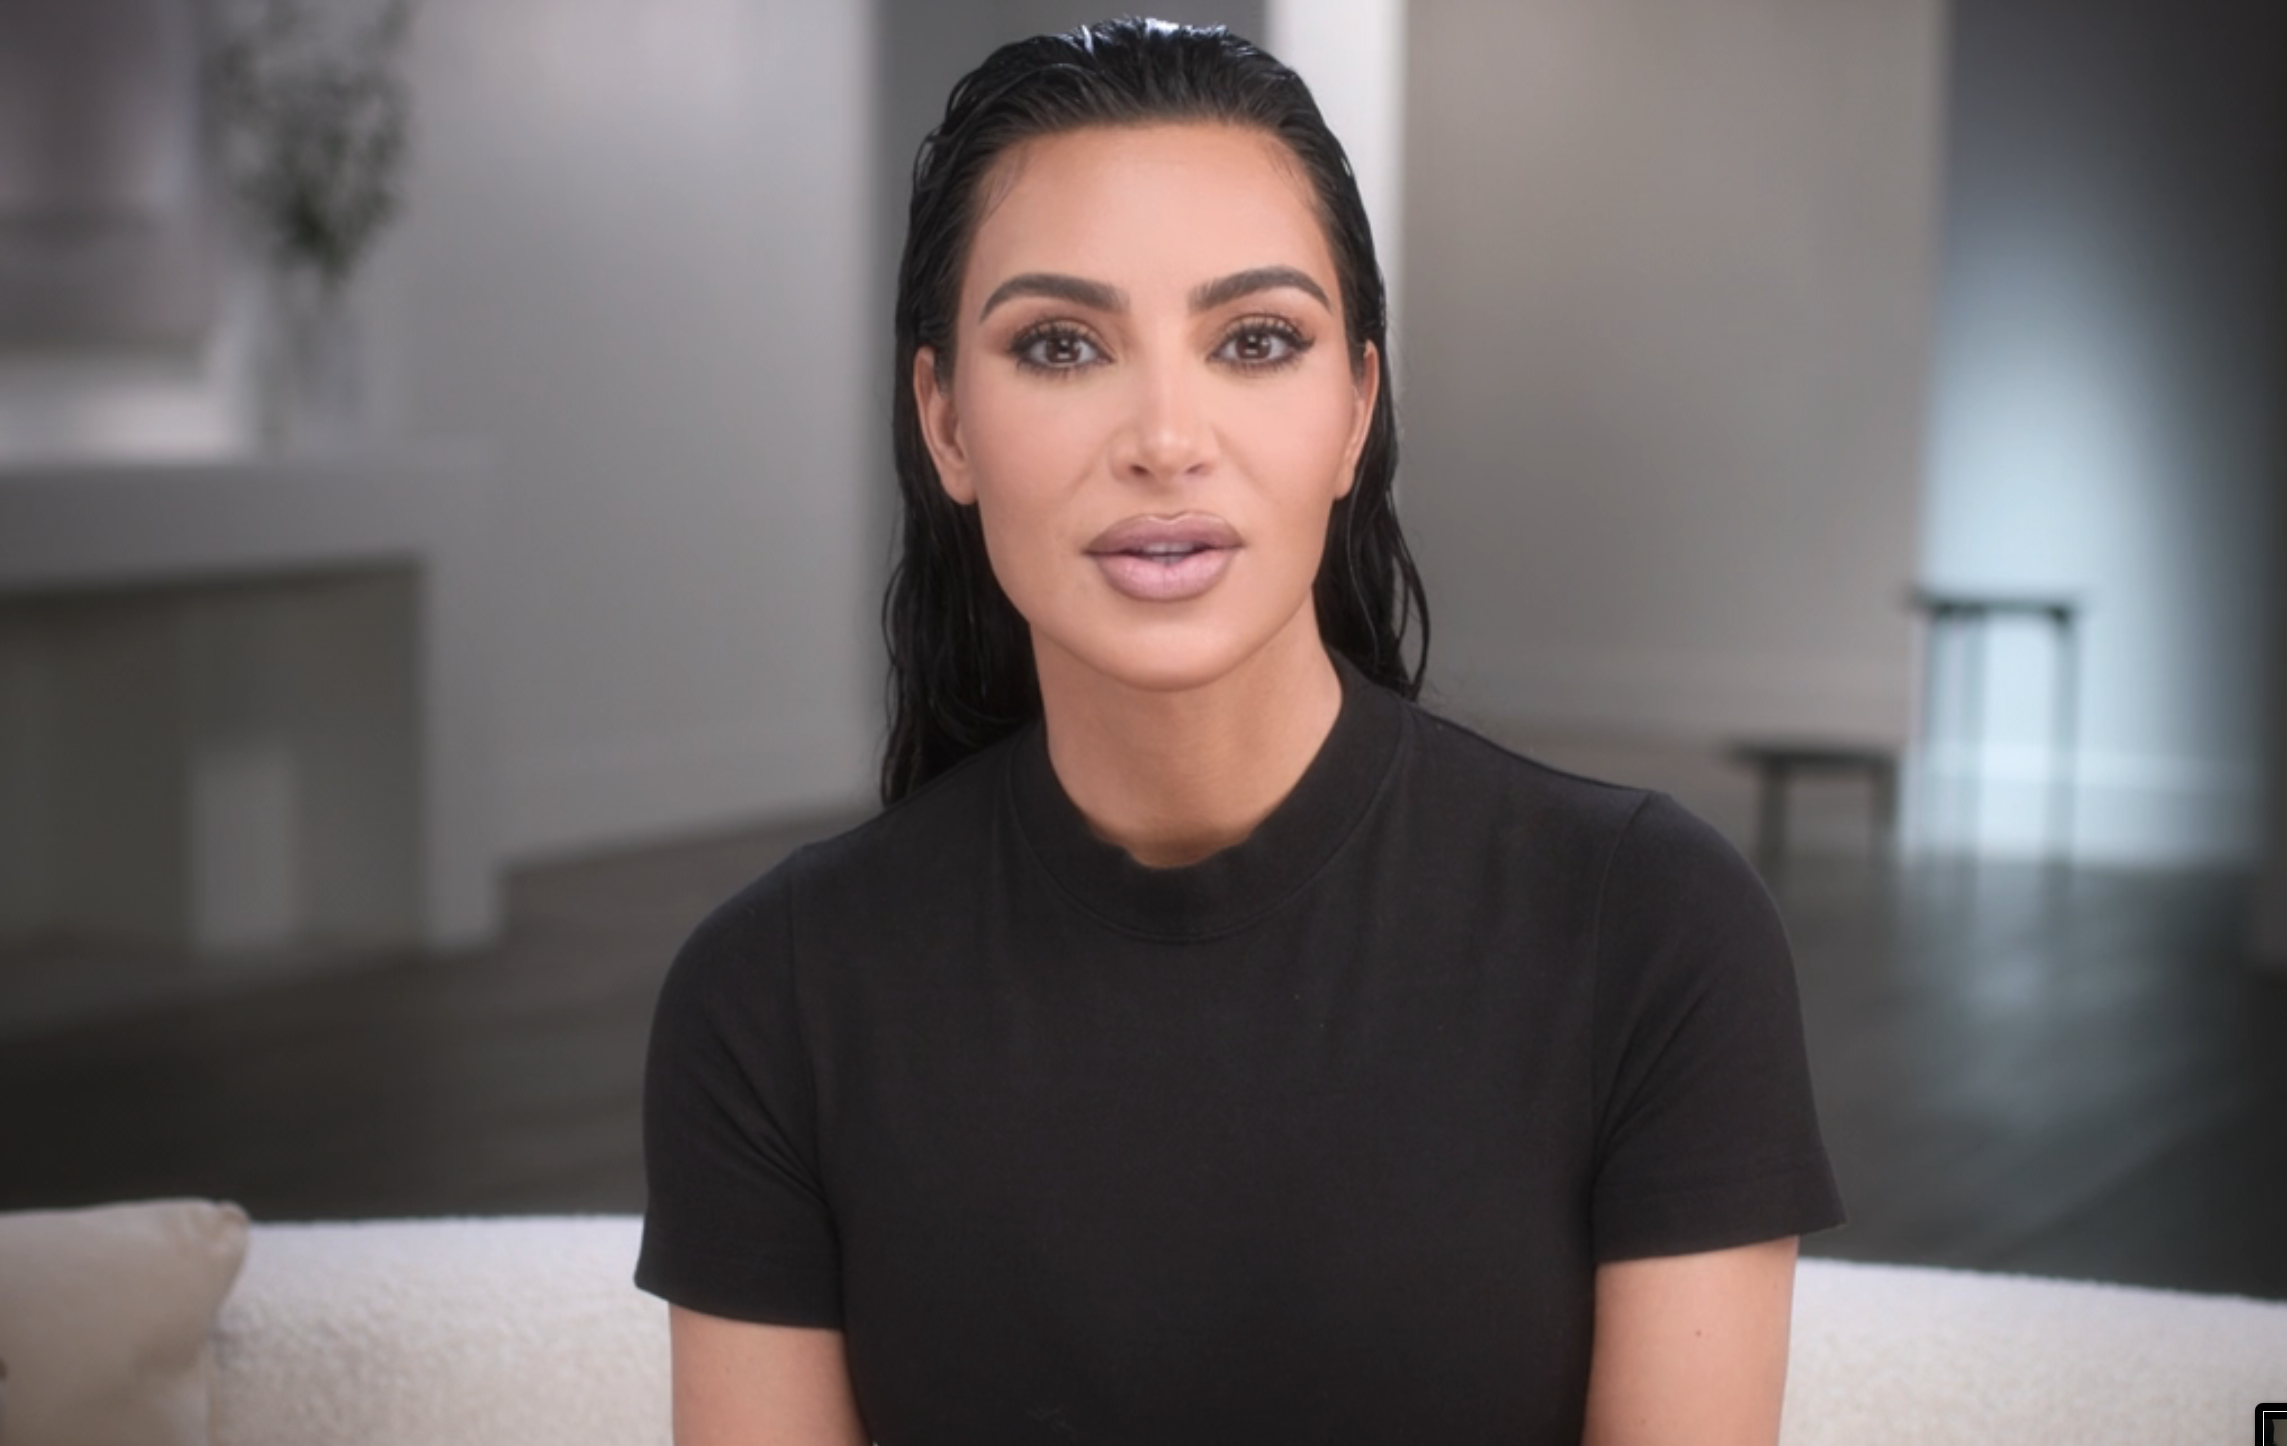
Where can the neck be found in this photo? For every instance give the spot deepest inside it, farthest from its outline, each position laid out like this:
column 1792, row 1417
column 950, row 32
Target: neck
column 1173, row 776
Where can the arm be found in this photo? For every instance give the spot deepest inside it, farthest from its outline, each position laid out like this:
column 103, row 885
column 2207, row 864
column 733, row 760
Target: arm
column 1692, row 1347
column 742, row 1384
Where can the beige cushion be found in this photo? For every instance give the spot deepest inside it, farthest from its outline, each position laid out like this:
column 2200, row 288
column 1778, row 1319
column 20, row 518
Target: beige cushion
column 105, row 1316
column 521, row 1331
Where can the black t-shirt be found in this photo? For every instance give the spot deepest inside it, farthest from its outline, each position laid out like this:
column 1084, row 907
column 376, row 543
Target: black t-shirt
column 1317, row 1140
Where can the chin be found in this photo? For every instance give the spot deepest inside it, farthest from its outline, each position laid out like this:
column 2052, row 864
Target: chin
column 1167, row 656
column 1155, row 670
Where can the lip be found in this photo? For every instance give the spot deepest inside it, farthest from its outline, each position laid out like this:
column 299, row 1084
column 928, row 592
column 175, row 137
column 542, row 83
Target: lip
column 1185, row 529
column 1165, row 559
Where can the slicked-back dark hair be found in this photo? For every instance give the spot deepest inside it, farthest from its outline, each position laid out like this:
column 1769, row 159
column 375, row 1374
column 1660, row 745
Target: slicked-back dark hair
column 960, row 657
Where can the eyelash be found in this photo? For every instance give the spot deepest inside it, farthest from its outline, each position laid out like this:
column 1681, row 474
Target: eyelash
column 1272, row 328
column 1256, row 329
column 1052, row 333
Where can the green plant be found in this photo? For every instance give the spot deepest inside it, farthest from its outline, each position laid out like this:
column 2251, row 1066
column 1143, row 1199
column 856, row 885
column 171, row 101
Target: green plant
column 317, row 120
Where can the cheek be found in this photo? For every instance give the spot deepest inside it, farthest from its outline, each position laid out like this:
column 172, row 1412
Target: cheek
column 1026, row 444
column 1300, row 438
column 1027, row 456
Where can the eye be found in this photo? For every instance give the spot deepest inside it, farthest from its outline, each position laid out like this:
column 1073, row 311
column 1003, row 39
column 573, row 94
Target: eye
column 1056, row 347
column 1262, row 344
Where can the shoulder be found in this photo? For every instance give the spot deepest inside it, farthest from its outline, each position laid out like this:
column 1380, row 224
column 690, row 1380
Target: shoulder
column 1674, row 882
column 1638, row 857
column 916, row 850
column 921, row 848
column 1471, row 777
column 751, row 975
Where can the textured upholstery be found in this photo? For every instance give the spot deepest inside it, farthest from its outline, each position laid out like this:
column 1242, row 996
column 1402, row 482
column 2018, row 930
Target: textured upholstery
column 442, row 1333
column 1905, row 1355
column 528, row 1331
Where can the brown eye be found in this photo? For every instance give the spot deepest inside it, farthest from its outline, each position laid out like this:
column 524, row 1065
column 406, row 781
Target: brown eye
column 1262, row 345
column 1056, row 349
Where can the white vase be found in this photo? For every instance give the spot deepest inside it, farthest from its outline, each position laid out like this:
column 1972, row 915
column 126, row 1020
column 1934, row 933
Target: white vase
column 312, row 395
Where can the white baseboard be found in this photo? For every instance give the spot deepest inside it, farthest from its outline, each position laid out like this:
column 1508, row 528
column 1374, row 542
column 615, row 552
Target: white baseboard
column 567, row 800
column 2125, row 808
column 2132, row 809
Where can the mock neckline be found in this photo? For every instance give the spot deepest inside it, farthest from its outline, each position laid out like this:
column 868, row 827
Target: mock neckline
column 1232, row 888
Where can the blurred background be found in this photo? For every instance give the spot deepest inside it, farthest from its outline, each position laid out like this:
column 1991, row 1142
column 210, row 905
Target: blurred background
column 1861, row 418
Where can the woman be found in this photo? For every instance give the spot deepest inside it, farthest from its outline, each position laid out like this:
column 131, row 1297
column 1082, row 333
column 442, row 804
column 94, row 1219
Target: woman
column 1206, row 1044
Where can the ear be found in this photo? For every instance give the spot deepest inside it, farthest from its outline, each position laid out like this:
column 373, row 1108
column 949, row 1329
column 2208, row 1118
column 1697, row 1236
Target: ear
column 1368, row 390
column 941, row 428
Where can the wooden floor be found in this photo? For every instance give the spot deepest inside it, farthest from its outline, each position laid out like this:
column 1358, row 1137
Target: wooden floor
column 2019, row 1068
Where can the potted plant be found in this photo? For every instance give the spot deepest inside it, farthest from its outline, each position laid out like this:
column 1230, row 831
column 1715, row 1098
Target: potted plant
column 315, row 116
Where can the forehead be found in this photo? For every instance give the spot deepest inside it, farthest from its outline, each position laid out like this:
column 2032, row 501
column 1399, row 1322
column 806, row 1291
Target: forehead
column 1131, row 204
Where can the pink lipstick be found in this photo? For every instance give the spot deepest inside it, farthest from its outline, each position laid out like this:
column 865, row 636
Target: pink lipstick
column 1165, row 559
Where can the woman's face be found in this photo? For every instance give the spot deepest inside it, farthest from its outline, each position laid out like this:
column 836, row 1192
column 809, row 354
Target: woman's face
column 1153, row 407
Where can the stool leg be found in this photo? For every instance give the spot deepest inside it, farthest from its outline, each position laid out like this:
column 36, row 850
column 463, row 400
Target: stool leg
column 2064, row 737
column 1885, row 809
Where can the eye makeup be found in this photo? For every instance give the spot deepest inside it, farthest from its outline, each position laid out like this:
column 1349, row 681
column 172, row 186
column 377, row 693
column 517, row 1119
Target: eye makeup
column 1263, row 344
column 1252, row 344
column 1055, row 348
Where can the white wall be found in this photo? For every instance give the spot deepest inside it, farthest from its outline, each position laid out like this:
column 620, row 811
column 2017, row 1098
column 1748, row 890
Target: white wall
column 1352, row 55
column 631, row 270
column 2109, row 372
column 1667, row 279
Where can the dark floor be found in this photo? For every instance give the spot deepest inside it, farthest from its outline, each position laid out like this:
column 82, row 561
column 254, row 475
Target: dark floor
column 2074, row 1074
column 2063, row 1073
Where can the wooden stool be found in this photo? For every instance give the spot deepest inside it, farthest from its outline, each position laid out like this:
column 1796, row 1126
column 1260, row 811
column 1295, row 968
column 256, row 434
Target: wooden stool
column 1777, row 762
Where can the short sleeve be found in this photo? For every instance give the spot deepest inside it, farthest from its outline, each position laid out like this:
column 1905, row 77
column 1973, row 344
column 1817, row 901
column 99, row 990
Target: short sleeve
column 1706, row 1135
column 737, row 1223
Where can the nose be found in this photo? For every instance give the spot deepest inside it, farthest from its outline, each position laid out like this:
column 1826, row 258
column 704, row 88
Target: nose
column 1167, row 434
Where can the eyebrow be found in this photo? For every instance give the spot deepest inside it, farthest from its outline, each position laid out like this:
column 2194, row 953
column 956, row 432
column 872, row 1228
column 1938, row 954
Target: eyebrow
column 1209, row 295
column 1077, row 290
column 1099, row 296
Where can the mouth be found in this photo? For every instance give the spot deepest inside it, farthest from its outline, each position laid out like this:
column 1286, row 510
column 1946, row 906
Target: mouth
column 1165, row 559
column 1166, row 554
column 1165, row 539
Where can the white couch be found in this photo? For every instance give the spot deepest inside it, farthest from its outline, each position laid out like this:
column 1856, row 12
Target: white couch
column 494, row 1332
